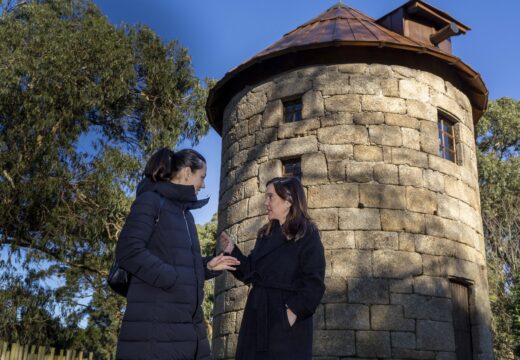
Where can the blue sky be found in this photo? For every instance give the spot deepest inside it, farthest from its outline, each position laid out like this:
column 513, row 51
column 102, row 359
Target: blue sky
column 222, row 34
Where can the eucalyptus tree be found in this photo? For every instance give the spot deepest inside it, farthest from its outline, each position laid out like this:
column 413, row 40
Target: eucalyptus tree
column 82, row 104
column 498, row 139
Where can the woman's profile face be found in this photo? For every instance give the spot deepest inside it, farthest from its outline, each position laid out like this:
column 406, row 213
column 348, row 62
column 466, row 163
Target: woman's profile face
column 277, row 208
column 195, row 178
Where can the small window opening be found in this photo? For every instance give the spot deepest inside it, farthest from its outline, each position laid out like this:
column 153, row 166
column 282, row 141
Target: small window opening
column 447, row 148
column 292, row 110
column 292, row 167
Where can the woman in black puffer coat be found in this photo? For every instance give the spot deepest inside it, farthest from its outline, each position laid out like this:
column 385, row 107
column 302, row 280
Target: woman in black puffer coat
column 159, row 247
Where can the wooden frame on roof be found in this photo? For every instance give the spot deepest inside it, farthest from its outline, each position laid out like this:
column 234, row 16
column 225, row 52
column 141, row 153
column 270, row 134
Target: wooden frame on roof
column 424, row 23
column 422, row 8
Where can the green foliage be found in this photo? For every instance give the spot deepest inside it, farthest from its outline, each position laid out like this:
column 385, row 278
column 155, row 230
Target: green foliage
column 28, row 307
column 501, row 303
column 498, row 139
column 515, row 314
column 208, row 237
column 82, row 104
column 498, row 130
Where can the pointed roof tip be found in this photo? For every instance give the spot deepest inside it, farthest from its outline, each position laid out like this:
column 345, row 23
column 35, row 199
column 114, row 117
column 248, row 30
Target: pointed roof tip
column 337, row 11
column 338, row 5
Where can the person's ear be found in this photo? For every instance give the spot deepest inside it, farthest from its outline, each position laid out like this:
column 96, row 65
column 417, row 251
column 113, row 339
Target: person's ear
column 186, row 173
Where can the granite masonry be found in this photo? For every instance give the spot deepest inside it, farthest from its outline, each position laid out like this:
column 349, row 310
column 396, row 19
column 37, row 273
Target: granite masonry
column 397, row 221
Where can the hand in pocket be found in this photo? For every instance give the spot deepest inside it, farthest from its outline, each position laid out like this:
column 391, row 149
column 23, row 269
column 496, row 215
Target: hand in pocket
column 291, row 317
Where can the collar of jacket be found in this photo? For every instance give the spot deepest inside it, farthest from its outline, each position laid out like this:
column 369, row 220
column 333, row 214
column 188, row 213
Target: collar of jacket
column 182, row 194
column 271, row 242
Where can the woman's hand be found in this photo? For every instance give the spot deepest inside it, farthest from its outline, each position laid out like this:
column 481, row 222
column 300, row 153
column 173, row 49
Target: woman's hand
column 222, row 262
column 291, row 317
column 226, row 243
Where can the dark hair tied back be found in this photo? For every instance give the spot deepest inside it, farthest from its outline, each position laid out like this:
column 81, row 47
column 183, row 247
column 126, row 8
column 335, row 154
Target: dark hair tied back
column 165, row 164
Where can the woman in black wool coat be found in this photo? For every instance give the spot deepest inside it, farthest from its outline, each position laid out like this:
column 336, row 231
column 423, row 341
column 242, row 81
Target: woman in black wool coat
column 159, row 247
column 286, row 269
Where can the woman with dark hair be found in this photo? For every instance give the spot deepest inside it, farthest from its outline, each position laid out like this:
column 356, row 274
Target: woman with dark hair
column 158, row 246
column 286, row 269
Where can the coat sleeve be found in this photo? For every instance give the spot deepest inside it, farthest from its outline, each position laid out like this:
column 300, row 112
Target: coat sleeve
column 209, row 274
column 310, row 284
column 132, row 253
column 243, row 271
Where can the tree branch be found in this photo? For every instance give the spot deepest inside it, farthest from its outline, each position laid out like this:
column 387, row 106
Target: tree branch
column 28, row 244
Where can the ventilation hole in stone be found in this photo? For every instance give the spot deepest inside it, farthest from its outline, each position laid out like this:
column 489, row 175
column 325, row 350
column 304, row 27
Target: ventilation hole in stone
column 435, row 212
column 361, row 205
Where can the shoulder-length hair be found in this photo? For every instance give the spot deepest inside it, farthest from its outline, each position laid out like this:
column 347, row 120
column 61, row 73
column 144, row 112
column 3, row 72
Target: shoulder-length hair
column 298, row 222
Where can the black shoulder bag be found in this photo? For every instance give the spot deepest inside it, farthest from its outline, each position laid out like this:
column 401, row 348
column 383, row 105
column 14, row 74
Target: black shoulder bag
column 118, row 278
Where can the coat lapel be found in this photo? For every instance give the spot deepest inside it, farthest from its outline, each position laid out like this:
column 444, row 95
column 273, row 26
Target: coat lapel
column 270, row 243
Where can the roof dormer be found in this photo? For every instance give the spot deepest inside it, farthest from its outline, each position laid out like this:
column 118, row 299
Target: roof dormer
column 424, row 23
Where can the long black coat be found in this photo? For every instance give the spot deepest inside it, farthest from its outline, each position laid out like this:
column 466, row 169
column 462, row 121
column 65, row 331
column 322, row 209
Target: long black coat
column 284, row 274
column 163, row 318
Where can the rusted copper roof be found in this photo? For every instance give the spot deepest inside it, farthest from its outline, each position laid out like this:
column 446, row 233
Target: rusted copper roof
column 339, row 23
column 344, row 30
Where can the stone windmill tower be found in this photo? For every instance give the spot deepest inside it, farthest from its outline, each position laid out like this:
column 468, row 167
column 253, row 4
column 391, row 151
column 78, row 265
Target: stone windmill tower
column 377, row 119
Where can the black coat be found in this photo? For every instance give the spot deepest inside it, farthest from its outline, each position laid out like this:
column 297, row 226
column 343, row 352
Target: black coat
column 283, row 274
column 163, row 317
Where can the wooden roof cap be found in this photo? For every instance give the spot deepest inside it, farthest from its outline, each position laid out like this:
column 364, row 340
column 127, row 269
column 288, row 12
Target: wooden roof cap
column 341, row 35
column 421, row 8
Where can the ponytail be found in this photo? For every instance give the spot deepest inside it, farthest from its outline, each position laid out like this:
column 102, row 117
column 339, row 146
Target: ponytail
column 165, row 164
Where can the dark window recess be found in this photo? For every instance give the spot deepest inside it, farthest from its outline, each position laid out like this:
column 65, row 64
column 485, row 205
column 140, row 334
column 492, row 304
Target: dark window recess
column 292, row 167
column 292, row 110
column 446, row 139
column 461, row 320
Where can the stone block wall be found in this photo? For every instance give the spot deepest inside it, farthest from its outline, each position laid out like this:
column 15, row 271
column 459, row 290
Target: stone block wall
column 397, row 221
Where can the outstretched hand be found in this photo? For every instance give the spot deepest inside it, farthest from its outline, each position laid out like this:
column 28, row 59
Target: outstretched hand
column 223, row 262
column 226, row 243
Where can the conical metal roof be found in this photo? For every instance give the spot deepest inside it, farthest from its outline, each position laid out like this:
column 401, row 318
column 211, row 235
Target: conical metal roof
column 342, row 35
column 340, row 23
